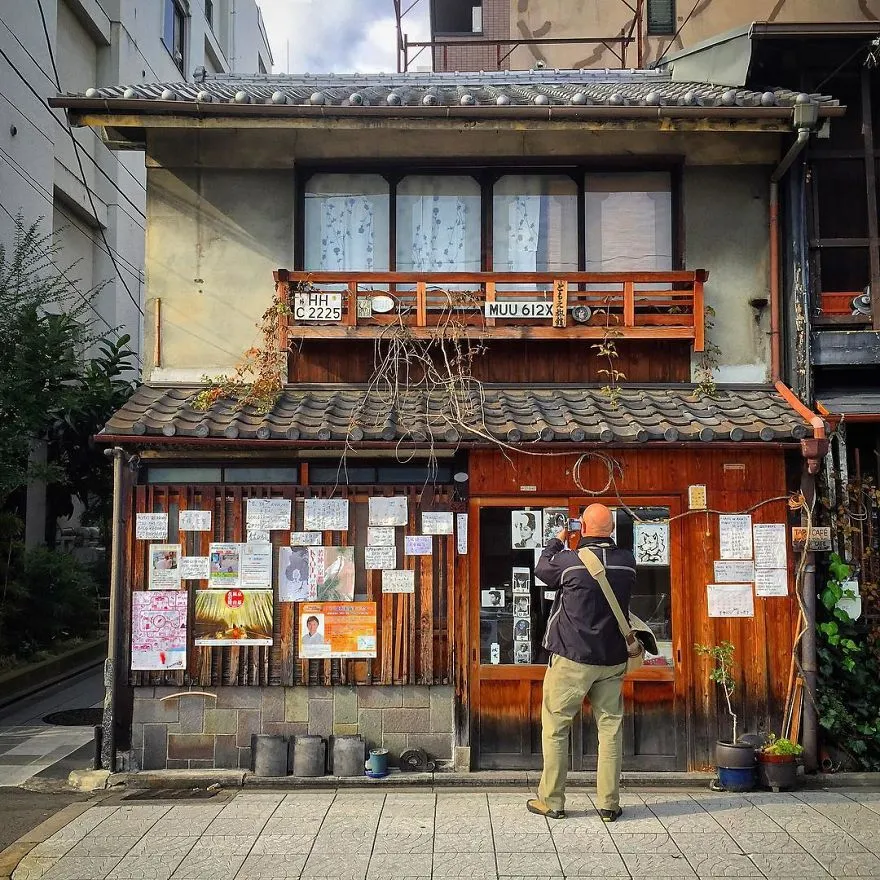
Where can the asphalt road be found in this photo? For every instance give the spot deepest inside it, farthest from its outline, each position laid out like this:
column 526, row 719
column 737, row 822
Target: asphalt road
column 23, row 810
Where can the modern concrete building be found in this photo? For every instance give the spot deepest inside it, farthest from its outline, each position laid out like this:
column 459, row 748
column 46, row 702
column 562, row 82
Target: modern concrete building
column 93, row 198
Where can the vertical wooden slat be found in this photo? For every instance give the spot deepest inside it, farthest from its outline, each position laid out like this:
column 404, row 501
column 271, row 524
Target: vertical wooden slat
column 699, row 315
column 351, row 314
column 426, row 567
column 871, row 193
column 629, row 304
column 421, row 304
column 490, row 298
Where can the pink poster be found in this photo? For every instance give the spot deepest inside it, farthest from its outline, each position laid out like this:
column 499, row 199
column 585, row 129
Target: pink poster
column 158, row 630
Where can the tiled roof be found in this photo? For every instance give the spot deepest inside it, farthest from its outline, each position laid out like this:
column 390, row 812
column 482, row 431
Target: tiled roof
column 612, row 88
column 325, row 414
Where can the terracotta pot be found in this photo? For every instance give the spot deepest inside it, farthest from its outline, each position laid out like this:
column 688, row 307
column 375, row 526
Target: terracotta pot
column 778, row 772
column 734, row 755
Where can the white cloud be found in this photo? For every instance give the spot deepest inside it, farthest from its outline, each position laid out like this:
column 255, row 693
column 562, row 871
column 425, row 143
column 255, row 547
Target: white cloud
column 338, row 36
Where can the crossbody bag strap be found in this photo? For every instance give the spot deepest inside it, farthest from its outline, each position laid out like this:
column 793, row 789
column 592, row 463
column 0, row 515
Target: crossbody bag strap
column 594, row 566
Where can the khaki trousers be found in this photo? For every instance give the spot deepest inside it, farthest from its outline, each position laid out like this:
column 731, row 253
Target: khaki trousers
column 566, row 684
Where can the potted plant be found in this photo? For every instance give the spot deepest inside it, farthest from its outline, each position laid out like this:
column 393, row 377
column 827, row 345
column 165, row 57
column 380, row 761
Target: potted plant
column 777, row 763
column 735, row 761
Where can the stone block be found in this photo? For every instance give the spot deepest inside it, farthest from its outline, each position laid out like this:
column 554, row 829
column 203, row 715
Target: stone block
column 155, row 747
column 239, row 698
column 437, row 745
column 169, row 691
column 244, row 759
column 296, row 704
column 221, row 721
column 461, row 759
column 344, row 729
column 143, row 693
column 321, row 717
column 272, row 705
column 191, row 714
column 225, row 752
column 442, row 709
column 379, row 697
column 416, row 696
column 176, row 764
column 203, row 764
column 137, row 737
column 289, row 729
column 370, row 727
column 321, row 693
column 155, row 712
column 345, row 705
column 248, row 725
column 395, row 743
column 406, row 721
column 190, row 746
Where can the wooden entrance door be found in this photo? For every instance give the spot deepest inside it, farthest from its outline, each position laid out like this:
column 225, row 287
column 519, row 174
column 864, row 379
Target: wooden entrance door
column 506, row 694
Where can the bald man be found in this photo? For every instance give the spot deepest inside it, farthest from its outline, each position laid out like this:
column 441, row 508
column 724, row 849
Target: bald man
column 587, row 659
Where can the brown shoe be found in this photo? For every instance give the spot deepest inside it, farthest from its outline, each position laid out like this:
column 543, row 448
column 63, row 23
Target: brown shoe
column 541, row 809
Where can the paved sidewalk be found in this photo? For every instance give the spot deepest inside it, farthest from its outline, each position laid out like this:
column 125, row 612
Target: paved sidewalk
column 358, row 835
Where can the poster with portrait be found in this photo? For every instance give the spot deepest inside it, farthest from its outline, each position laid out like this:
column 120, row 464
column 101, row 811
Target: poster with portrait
column 331, row 574
column 555, row 520
column 293, row 574
column 492, row 598
column 388, row 511
column 325, row 514
column 521, row 578
column 256, row 566
column 225, row 565
column 651, row 543
column 337, row 629
column 437, row 523
column 158, row 630
column 526, row 529
column 522, row 652
column 233, row 617
column 522, row 606
column 522, row 629
column 194, row 521
column 164, row 561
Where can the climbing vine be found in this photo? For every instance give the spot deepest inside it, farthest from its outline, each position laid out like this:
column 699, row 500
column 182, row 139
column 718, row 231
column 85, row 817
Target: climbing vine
column 708, row 360
column 606, row 349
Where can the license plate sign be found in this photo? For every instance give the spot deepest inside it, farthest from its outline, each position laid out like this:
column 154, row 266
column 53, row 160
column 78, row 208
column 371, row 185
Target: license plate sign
column 317, row 307
column 510, row 309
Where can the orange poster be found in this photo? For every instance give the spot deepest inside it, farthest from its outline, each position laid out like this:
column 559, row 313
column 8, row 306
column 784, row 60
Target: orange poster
column 337, row 629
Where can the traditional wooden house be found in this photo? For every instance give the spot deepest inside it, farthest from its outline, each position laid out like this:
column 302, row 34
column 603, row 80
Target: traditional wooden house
column 484, row 302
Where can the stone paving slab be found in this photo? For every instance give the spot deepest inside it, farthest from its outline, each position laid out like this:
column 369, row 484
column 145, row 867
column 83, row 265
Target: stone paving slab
column 372, row 835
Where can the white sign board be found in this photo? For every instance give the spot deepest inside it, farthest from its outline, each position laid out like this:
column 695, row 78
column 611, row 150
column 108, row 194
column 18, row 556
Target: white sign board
column 734, row 571
column 256, row 565
column 317, row 307
column 268, row 514
column 461, row 533
column 398, row 581
column 735, row 533
column 151, row 526
column 164, row 561
column 771, row 582
column 388, row 511
column 730, row 600
column 379, row 558
column 194, row 521
column 770, row 543
column 194, row 568
column 326, row 514
column 381, row 536
column 437, row 523
column 306, row 539
column 418, row 545
column 520, row 309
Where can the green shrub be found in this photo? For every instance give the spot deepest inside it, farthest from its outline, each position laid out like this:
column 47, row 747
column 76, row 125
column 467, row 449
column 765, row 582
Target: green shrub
column 781, row 746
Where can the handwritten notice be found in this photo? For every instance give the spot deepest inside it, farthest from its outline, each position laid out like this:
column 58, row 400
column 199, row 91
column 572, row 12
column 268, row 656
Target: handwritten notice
column 305, row 539
column 151, row 526
column 194, row 521
column 379, row 558
column 399, row 581
column 224, row 561
column 388, row 511
column 381, row 536
column 735, row 532
column 437, row 523
column 268, row 514
column 258, row 536
column 771, row 582
column 164, row 562
column 256, row 565
column 461, row 534
column 734, row 571
column 326, row 515
column 418, row 545
column 194, row 568
column 158, row 630
column 770, row 549
column 730, row 600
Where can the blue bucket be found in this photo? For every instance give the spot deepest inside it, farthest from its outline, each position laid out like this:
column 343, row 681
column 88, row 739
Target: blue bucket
column 377, row 765
column 737, row 778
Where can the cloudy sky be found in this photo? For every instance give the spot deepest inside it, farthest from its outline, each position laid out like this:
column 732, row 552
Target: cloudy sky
column 339, row 36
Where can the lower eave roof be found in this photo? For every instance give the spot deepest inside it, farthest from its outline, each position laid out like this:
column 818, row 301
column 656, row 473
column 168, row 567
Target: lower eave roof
column 511, row 414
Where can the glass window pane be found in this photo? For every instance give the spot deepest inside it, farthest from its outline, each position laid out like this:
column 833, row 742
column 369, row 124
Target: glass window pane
column 346, row 218
column 183, row 475
column 261, row 475
column 438, row 224
column 324, row 475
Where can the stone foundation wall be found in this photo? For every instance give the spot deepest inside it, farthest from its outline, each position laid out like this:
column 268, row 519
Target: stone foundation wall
column 194, row 731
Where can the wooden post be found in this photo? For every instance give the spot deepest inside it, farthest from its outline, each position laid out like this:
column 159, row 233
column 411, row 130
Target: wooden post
column 351, row 314
column 699, row 315
column 629, row 304
column 490, row 298
column 421, row 304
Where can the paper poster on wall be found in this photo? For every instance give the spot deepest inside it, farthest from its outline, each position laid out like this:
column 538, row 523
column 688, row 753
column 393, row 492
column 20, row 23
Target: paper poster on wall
column 521, row 579
column 418, row 545
column 380, row 558
column 492, row 598
column 258, row 536
column 522, row 629
column 225, row 564
column 195, row 568
column 151, row 526
column 734, row 571
column 256, row 566
column 164, row 561
column 730, row 600
column 554, row 520
column 538, row 581
column 331, row 574
column 437, row 522
column 387, row 511
column 194, row 521
column 233, row 617
column 293, row 574
column 771, row 582
column 325, row 515
column 522, row 653
column 735, row 534
column 651, row 543
column 158, row 630
column 525, row 529
column 522, row 606
column 305, row 539
column 770, row 550
column 269, row 514
column 461, row 533
column 337, row 629
column 381, row 536
column 399, row 581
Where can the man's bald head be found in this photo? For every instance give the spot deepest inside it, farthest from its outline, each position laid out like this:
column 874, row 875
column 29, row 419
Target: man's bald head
column 598, row 521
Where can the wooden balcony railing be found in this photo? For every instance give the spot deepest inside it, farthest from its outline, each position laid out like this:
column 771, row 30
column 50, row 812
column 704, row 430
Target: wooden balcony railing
column 499, row 305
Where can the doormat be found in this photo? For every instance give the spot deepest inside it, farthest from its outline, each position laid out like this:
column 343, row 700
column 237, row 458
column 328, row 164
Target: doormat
column 171, row 794
column 74, row 718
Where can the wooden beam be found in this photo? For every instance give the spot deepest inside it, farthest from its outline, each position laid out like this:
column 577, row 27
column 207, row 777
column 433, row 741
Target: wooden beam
column 322, row 331
column 871, row 184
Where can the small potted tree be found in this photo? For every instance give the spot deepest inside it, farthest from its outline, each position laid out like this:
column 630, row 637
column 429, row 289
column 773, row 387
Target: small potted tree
column 735, row 761
column 777, row 763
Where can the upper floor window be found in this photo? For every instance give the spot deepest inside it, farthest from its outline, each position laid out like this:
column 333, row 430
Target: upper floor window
column 457, row 16
column 174, row 33
column 661, row 17
column 209, row 12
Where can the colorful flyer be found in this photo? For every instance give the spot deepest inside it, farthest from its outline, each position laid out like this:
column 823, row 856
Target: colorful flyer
column 651, row 543
column 256, row 566
column 337, row 629
column 164, row 561
column 325, row 515
column 293, row 574
column 158, row 630
column 418, row 545
column 225, row 564
column 269, row 514
column 331, row 574
column 194, row 521
column 381, row 536
column 380, row 558
column 195, row 568
column 306, row 539
column 735, row 535
column 399, row 581
column 151, row 526
column 770, row 549
column 233, row 617
column 388, row 511
column 437, row 523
